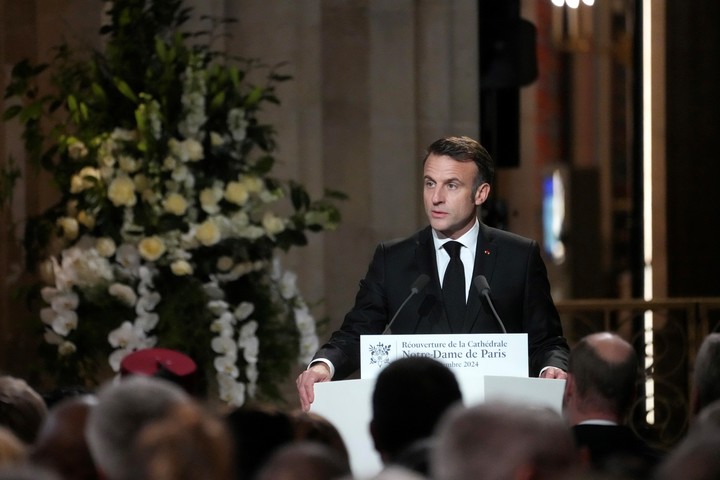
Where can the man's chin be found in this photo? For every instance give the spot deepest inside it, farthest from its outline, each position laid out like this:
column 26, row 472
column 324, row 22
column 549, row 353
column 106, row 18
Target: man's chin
column 440, row 227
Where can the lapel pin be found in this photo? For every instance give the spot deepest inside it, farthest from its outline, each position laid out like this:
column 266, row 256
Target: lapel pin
column 487, row 252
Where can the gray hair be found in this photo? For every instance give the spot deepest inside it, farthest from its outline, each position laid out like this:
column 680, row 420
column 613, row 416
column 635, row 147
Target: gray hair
column 123, row 409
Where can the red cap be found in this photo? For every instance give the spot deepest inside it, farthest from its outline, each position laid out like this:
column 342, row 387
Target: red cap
column 161, row 362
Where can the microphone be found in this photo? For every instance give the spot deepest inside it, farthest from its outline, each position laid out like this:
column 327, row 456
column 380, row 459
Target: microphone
column 481, row 285
column 418, row 286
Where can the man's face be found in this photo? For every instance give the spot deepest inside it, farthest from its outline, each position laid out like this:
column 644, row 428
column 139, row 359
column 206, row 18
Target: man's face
column 450, row 202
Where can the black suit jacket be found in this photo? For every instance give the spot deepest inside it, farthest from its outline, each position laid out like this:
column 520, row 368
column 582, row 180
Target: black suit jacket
column 519, row 289
column 617, row 450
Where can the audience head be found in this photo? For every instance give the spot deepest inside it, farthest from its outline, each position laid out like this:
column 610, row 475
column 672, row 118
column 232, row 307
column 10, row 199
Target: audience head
column 709, row 416
column 22, row 409
column 61, row 444
column 602, row 379
column 257, row 431
column 311, row 427
column 706, row 375
column 304, row 460
column 497, row 441
column 188, row 444
column 27, row 472
column 694, row 458
column 410, row 396
column 12, row 450
column 123, row 409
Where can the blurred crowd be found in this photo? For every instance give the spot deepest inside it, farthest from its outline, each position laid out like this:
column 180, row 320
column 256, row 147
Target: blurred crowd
column 146, row 427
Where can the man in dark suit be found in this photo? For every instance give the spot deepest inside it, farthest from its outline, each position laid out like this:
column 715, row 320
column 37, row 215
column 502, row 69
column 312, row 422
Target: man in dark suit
column 457, row 175
column 599, row 393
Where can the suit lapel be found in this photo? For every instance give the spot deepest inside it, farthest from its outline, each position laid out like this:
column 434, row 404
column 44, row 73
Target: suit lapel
column 485, row 257
column 425, row 257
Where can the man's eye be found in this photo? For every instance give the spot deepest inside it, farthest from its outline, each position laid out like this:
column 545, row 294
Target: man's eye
column 452, row 186
column 429, row 184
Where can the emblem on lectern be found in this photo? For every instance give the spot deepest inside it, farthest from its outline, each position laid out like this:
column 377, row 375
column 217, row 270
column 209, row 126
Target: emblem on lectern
column 379, row 354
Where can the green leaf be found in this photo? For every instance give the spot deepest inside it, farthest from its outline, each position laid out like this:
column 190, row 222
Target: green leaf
column 125, row 89
column 264, row 165
column 336, row 194
column 72, row 103
column 31, row 112
column 161, row 49
column 218, row 100
column 254, row 97
column 11, row 112
column 298, row 195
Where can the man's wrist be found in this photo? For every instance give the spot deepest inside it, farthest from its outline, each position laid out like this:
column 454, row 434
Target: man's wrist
column 325, row 362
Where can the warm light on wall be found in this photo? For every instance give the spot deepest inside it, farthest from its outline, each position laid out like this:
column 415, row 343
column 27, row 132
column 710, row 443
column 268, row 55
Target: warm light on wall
column 572, row 3
column 573, row 26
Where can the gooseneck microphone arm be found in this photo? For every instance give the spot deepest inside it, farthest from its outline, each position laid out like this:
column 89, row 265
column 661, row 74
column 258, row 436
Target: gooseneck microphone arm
column 482, row 286
column 418, row 286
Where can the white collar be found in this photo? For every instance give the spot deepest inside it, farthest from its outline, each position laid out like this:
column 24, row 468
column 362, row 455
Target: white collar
column 468, row 239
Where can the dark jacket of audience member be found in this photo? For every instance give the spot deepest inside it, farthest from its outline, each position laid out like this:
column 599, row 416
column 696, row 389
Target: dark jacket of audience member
column 599, row 393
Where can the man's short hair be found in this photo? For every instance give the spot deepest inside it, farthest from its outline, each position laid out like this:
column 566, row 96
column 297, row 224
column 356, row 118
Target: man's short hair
column 410, row 396
column 465, row 149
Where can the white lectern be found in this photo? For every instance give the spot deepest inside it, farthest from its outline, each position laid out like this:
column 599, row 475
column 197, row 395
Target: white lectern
column 347, row 403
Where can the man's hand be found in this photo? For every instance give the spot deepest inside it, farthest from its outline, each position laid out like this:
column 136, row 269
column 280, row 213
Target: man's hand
column 552, row 372
column 318, row 372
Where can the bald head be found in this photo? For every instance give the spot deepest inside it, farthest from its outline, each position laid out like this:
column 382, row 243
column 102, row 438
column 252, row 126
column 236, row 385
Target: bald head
column 603, row 373
column 610, row 347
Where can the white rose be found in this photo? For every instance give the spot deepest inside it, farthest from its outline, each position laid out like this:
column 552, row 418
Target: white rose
column 176, row 204
column 82, row 181
column 237, row 193
column 193, row 149
column 128, row 164
column 209, row 198
column 253, row 184
column 105, row 246
column 121, row 191
column 272, row 223
column 151, row 248
column 69, row 227
column 181, row 267
column 208, row 233
column 77, row 150
column 86, row 219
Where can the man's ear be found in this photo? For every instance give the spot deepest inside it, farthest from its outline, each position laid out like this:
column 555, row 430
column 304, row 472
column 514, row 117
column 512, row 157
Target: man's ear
column 482, row 193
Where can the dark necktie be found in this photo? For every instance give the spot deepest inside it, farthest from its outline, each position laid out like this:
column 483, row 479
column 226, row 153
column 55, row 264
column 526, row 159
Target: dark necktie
column 453, row 287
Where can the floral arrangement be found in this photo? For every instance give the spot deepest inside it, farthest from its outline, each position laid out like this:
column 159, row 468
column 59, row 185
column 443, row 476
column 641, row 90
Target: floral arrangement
column 169, row 224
